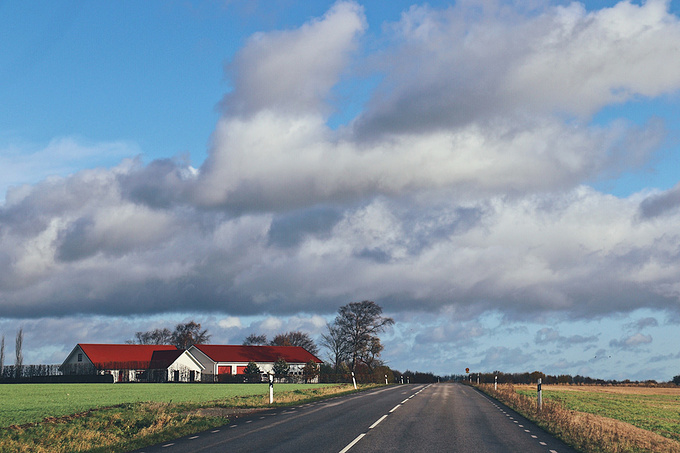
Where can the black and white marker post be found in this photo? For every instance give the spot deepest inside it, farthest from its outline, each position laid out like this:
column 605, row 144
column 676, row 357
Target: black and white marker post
column 354, row 381
column 540, row 395
column 271, row 388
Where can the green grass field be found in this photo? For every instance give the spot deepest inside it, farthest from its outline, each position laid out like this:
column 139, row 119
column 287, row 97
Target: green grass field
column 30, row 403
column 655, row 410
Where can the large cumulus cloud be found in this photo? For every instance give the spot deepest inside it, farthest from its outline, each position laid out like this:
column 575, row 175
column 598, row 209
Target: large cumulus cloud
column 463, row 182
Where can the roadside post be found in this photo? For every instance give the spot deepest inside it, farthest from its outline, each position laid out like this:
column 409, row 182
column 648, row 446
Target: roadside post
column 271, row 388
column 495, row 382
column 540, row 395
column 354, row 381
column 477, row 378
column 385, row 379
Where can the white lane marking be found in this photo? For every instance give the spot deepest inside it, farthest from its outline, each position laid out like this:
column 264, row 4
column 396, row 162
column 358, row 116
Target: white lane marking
column 233, row 426
column 395, row 408
column 543, row 443
column 167, row 445
column 194, row 437
column 351, row 444
column 378, row 422
column 533, row 436
column 404, row 401
column 553, row 451
column 215, row 431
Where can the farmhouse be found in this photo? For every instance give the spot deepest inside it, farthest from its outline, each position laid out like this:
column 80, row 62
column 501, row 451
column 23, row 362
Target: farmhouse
column 225, row 360
column 133, row 362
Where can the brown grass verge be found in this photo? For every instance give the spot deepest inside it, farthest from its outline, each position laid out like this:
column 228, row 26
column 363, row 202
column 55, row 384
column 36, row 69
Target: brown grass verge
column 585, row 432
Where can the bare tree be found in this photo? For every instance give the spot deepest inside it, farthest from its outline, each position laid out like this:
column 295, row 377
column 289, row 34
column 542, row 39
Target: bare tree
column 296, row 338
column 359, row 324
column 156, row 336
column 2, row 355
column 189, row 334
column 255, row 340
column 336, row 345
column 19, row 361
column 183, row 336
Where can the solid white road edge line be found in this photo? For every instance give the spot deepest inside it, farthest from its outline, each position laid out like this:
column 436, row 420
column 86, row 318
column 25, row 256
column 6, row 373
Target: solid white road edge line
column 351, row 444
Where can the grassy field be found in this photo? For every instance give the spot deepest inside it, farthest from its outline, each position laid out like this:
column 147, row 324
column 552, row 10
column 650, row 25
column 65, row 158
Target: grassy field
column 30, row 403
column 601, row 419
column 653, row 409
column 99, row 418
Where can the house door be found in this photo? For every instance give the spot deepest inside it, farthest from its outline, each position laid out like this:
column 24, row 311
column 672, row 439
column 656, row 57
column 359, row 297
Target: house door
column 192, row 376
column 176, row 375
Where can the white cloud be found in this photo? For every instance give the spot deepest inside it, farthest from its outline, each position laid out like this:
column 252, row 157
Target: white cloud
column 230, row 322
column 458, row 190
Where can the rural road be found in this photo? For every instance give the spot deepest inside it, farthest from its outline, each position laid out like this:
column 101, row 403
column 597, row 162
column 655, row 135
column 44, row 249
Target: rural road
column 413, row 418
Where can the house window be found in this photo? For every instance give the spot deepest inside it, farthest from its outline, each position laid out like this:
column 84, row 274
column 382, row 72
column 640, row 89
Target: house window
column 80, row 357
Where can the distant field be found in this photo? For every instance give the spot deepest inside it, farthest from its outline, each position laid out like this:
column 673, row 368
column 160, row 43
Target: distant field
column 653, row 409
column 30, row 403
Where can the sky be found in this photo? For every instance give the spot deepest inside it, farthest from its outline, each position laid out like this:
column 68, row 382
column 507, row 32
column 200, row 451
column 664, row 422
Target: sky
column 501, row 177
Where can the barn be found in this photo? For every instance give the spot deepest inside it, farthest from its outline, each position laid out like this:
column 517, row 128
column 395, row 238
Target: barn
column 221, row 360
column 133, row 362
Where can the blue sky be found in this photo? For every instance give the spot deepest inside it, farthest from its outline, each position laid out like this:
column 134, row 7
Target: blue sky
column 501, row 177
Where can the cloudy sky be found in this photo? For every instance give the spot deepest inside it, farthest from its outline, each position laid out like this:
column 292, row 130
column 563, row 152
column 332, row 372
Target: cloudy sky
column 503, row 178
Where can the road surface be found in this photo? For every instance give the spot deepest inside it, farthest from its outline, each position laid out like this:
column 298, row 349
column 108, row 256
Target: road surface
column 409, row 418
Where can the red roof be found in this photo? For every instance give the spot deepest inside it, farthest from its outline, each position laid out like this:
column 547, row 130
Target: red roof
column 101, row 354
column 164, row 358
column 244, row 354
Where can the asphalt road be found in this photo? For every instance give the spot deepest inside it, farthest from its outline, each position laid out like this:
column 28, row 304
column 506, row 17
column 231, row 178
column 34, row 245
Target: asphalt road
column 413, row 418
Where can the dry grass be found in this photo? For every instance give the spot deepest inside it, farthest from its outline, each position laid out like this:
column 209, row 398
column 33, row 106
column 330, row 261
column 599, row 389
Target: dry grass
column 614, row 389
column 585, row 432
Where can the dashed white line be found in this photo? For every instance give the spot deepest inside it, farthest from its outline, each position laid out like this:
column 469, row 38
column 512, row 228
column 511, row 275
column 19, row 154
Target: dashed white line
column 167, row 445
column 351, row 444
column 395, row 408
column 378, row 422
column 193, row 437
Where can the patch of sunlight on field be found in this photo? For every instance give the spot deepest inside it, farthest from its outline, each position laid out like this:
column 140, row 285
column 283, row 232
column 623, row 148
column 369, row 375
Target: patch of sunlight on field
column 30, row 403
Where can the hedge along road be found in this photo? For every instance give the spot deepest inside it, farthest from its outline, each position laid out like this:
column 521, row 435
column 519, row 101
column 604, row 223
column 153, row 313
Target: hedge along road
column 415, row 418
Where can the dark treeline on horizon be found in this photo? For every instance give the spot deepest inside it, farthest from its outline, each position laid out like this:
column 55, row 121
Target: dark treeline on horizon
column 532, row 378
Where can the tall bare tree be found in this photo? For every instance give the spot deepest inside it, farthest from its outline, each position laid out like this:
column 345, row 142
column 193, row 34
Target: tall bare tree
column 19, row 361
column 2, row 355
column 359, row 324
column 336, row 345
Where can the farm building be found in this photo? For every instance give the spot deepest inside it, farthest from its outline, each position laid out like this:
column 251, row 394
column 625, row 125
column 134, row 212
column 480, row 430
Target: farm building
column 221, row 360
column 133, row 362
